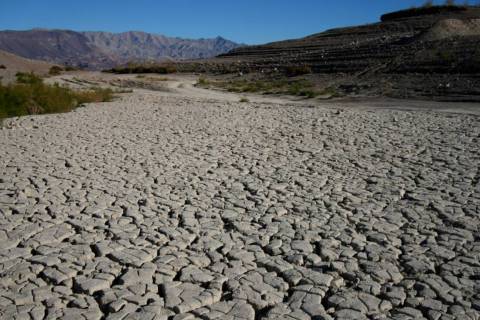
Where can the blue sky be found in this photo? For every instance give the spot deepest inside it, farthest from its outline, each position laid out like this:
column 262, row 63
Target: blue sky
column 246, row 21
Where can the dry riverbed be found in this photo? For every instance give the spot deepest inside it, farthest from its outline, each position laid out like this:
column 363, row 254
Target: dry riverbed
column 187, row 204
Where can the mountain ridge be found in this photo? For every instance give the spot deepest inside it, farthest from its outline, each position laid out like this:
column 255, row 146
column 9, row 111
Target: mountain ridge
column 101, row 49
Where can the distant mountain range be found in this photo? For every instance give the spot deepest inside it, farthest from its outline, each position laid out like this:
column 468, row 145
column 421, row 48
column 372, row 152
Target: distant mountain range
column 99, row 50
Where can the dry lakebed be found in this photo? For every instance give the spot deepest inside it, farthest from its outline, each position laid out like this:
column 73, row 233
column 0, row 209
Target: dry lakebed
column 187, row 204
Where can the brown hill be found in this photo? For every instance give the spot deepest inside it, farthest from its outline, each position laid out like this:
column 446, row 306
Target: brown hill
column 56, row 46
column 358, row 48
column 10, row 64
column 418, row 52
column 449, row 28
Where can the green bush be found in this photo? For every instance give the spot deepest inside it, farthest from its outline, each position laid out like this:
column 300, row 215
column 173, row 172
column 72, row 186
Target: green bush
column 71, row 68
column 95, row 95
column 31, row 96
column 28, row 78
column 55, row 71
column 202, row 81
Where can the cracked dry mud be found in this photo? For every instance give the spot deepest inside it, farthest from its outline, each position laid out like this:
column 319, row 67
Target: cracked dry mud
column 170, row 207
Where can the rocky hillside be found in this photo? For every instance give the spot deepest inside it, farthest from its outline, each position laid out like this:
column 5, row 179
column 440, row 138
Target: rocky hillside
column 415, row 51
column 146, row 46
column 99, row 50
column 397, row 39
column 57, row 46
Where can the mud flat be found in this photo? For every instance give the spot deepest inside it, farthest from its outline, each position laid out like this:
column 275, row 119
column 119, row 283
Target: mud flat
column 168, row 206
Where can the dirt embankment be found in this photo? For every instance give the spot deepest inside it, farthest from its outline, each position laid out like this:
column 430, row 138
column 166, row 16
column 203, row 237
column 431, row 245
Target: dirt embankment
column 10, row 64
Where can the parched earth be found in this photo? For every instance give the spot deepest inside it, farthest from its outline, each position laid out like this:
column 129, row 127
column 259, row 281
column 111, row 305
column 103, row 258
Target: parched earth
column 160, row 206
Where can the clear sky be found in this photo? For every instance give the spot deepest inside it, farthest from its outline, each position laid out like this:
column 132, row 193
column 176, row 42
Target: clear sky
column 246, row 21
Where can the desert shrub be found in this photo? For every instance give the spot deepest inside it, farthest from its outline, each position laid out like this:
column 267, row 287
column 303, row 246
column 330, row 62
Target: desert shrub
column 243, row 99
column 139, row 68
column 28, row 78
column 55, row 71
column 167, row 69
column 95, row 95
column 2, row 66
column 308, row 93
column 155, row 79
column 301, row 87
column 293, row 71
column 71, row 68
column 329, row 91
column 121, row 91
column 202, row 81
column 31, row 96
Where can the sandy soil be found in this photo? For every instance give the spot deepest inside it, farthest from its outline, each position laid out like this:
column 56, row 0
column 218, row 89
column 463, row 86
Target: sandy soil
column 14, row 64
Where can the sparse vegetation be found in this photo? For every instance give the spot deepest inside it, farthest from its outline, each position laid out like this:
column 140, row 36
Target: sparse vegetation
column 202, row 81
column 144, row 68
column 142, row 83
column 122, row 90
column 71, row 68
column 243, row 99
column 28, row 78
column 328, row 92
column 95, row 94
column 141, row 76
column 297, row 87
column 30, row 95
column 293, row 71
column 55, row 71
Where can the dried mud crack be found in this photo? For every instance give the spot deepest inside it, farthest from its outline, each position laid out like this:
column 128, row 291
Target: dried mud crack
column 161, row 206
